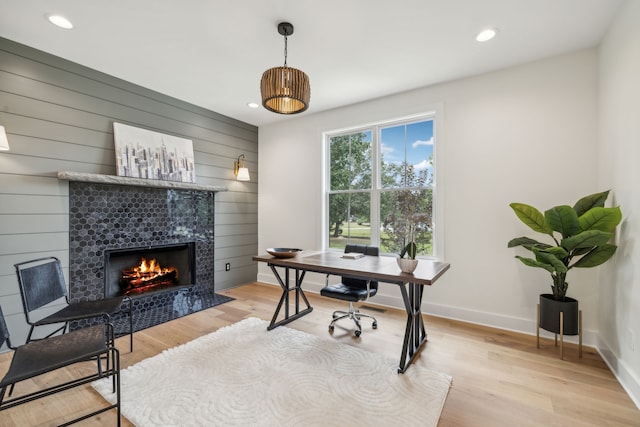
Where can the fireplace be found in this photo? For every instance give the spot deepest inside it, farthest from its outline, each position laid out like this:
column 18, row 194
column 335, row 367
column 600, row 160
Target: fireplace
column 137, row 271
column 112, row 225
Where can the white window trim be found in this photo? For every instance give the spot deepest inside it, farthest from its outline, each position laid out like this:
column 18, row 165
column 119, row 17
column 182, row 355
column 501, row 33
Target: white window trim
column 436, row 113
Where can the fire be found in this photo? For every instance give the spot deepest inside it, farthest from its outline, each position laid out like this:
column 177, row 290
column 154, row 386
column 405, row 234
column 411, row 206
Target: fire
column 151, row 269
column 147, row 275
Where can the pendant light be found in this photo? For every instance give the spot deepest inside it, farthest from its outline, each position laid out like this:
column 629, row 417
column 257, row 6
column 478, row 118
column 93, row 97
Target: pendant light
column 285, row 90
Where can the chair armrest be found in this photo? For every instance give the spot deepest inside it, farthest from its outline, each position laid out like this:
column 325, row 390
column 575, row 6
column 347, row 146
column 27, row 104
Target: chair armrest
column 368, row 289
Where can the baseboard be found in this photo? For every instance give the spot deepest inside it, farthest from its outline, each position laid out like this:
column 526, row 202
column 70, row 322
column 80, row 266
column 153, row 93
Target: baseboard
column 386, row 297
column 627, row 379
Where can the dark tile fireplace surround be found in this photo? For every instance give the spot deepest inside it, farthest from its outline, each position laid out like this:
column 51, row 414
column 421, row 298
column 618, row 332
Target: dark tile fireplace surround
column 113, row 216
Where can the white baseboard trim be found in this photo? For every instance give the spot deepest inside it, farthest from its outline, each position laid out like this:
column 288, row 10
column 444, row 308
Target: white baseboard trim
column 627, row 379
column 386, row 297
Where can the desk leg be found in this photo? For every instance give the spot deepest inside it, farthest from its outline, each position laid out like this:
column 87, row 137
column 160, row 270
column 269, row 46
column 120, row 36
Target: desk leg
column 415, row 335
column 284, row 298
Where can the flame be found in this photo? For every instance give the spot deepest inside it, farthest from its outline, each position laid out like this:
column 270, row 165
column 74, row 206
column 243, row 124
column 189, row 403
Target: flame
column 148, row 270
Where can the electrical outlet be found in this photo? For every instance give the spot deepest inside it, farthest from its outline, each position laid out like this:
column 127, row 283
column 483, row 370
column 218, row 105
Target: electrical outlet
column 227, row 266
column 631, row 340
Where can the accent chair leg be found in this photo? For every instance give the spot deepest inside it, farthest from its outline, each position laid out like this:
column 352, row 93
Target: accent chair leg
column 130, row 304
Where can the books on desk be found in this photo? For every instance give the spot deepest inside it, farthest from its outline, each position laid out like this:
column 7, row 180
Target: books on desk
column 352, row 255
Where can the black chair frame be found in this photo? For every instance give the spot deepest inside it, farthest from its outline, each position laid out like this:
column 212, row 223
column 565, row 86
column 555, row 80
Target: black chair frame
column 34, row 274
column 93, row 344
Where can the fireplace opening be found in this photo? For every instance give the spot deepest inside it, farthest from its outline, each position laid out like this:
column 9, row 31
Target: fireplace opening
column 135, row 271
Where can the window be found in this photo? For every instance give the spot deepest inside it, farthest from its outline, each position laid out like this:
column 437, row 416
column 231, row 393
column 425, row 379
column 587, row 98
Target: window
column 380, row 186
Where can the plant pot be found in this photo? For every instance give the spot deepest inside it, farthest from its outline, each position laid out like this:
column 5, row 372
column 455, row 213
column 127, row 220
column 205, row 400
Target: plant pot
column 407, row 265
column 550, row 309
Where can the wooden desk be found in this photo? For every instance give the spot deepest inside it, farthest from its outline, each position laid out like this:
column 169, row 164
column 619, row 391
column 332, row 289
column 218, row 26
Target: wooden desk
column 381, row 269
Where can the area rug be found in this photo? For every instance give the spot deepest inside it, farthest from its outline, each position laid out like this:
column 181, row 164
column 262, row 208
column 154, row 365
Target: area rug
column 244, row 375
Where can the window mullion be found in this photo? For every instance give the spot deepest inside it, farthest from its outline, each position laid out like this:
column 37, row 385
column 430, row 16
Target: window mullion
column 375, row 187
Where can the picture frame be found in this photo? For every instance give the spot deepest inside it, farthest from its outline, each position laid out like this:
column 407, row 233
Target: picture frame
column 146, row 154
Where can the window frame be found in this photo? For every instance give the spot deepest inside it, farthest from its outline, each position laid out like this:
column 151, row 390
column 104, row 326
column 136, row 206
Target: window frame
column 436, row 115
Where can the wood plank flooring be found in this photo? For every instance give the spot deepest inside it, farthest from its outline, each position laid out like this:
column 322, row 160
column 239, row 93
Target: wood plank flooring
column 500, row 378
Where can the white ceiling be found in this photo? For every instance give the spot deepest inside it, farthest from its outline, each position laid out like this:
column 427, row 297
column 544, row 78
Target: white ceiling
column 212, row 52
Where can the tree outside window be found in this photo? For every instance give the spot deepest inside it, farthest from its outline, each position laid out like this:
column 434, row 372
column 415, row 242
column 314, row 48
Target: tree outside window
column 350, row 189
column 406, row 195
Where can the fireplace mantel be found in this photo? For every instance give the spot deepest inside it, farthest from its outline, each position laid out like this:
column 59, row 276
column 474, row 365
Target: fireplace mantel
column 137, row 182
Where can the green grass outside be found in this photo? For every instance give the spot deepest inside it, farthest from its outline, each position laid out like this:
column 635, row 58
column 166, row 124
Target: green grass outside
column 361, row 235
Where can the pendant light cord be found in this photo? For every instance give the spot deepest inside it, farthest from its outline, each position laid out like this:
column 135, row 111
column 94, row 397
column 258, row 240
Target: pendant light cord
column 285, row 50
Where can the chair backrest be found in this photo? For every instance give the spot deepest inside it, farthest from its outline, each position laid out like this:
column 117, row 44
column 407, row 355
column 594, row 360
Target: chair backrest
column 361, row 249
column 41, row 282
column 4, row 331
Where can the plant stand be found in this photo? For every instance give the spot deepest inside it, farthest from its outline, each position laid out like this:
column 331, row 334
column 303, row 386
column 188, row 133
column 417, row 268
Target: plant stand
column 561, row 332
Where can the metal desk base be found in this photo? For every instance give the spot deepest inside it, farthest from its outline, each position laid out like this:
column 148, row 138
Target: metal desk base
column 415, row 336
column 284, row 299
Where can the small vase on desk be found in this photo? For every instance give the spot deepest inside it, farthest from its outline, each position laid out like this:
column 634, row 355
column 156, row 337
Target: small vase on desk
column 407, row 265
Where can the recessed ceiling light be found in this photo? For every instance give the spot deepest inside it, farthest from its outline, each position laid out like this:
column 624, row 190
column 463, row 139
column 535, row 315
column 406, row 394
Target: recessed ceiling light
column 60, row 21
column 252, row 105
column 486, row 35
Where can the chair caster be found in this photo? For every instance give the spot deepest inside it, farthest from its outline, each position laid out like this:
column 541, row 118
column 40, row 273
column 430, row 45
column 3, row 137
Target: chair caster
column 331, row 327
column 374, row 325
column 357, row 333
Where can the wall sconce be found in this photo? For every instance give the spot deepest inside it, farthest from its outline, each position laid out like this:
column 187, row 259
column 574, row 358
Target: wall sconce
column 4, row 142
column 241, row 171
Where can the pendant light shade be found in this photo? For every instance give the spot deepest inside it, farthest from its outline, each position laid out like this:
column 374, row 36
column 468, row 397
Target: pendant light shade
column 285, row 90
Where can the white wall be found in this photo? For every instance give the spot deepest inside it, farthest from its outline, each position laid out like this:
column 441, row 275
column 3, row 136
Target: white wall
column 524, row 134
column 619, row 160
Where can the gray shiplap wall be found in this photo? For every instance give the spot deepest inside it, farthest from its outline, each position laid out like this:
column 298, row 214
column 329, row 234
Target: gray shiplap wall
column 59, row 117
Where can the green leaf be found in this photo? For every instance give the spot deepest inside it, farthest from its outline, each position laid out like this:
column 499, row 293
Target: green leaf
column 411, row 249
column 531, row 217
column 557, row 251
column 586, row 239
column 533, row 263
column 526, row 242
column 551, row 259
column 581, row 251
column 590, row 201
column 563, row 219
column 603, row 219
column 597, row 256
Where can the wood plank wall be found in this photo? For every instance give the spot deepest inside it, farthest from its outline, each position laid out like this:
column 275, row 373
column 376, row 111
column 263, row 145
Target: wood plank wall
column 59, row 116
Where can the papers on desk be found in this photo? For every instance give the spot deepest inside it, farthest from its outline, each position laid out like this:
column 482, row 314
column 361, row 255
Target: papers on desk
column 352, row 255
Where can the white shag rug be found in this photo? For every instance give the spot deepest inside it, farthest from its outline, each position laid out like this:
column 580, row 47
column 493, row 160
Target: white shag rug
column 244, row 375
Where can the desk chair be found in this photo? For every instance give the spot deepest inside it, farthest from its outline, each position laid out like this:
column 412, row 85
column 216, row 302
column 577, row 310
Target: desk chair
column 352, row 290
column 42, row 282
column 91, row 344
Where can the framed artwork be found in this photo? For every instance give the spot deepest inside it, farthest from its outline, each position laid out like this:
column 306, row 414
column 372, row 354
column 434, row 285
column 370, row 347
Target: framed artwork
column 141, row 153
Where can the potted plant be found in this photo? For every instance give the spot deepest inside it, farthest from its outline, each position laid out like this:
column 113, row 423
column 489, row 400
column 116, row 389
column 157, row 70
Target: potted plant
column 408, row 264
column 580, row 236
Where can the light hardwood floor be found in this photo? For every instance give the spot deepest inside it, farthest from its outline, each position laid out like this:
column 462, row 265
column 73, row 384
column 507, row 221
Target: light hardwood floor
column 500, row 378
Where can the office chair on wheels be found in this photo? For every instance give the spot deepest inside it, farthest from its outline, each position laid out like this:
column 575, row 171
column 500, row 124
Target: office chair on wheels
column 352, row 290
column 42, row 282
